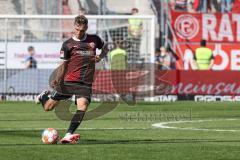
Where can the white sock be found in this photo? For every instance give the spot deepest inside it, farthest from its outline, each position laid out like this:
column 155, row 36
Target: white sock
column 67, row 134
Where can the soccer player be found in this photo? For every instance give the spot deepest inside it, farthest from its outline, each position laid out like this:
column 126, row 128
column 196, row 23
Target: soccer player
column 79, row 58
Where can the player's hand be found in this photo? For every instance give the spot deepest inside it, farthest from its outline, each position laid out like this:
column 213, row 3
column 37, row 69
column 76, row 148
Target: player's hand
column 97, row 58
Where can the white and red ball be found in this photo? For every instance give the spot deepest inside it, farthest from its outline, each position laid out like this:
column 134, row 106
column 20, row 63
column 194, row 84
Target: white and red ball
column 50, row 136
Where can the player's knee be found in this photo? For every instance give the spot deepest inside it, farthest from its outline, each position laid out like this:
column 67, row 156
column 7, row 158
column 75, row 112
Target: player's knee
column 82, row 108
column 82, row 104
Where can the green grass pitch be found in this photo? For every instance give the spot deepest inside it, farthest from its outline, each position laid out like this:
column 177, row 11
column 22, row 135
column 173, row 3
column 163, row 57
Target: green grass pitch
column 126, row 132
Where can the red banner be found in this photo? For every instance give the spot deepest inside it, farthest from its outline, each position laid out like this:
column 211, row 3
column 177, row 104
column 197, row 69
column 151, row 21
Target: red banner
column 192, row 27
column 227, row 56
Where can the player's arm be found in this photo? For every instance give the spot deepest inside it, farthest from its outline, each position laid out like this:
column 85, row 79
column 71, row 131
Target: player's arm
column 104, row 50
column 61, row 70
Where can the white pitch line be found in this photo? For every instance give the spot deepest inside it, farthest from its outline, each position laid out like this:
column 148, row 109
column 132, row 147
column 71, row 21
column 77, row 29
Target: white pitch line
column 164, row 125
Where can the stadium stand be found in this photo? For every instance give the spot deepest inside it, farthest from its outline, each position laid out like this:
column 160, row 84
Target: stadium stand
column 112, row 6
column 92, row 6
column 74, row 6
column 17, row 6
column 29, row 29
column 8, row 8
column 143, row 6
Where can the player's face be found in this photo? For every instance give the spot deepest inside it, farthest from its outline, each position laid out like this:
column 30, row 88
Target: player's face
column 80, row 30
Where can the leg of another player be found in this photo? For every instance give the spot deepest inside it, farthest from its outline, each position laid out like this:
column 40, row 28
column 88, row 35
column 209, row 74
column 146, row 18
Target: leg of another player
column 82, row 105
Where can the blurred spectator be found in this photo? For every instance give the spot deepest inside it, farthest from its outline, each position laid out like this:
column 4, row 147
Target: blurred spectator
column 157, row 58
column 202, row 6
column 203, row 57
column 82, row 11
column 191, row 6
column 118, row 57
column 174, row 58
column 226, row 6
column 211, row 6
column 135, row 25
column 236, row 6
column 180, row 5
column 195, row 4
column 65, row 2
column 135, row 28
column 165, row 60
column 172, row 4
column 214, row 6
column 188, row 5
column 30, row 60
column 220, row 6
column 118, row 61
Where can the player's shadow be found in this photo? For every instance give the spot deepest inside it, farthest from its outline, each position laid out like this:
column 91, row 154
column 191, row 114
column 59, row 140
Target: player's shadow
column 20, row 133
column 152, row 141
column 142, row 141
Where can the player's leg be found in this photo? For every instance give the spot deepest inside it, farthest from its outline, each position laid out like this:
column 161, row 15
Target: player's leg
column 82, row 100
column 82, row 105
column 50, row 102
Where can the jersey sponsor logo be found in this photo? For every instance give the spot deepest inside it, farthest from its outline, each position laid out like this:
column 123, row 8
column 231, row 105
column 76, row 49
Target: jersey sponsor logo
column 84, row 46
column 85, row 53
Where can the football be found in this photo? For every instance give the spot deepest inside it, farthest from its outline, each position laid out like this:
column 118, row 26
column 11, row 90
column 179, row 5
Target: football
column 50, row 136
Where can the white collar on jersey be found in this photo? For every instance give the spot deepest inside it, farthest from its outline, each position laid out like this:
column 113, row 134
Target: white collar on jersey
column 82, row 39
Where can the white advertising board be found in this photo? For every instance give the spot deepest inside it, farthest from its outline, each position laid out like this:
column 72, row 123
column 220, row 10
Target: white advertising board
column 46, row 54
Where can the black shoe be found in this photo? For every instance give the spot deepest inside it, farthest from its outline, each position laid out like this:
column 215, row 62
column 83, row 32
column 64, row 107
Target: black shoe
column 38, row 99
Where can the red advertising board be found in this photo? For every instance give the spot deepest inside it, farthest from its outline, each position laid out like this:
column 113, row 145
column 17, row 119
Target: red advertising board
column 172, row 82
column 199, row 82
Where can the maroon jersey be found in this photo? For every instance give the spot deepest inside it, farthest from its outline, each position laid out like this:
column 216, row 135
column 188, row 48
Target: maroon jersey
column 80, row 56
